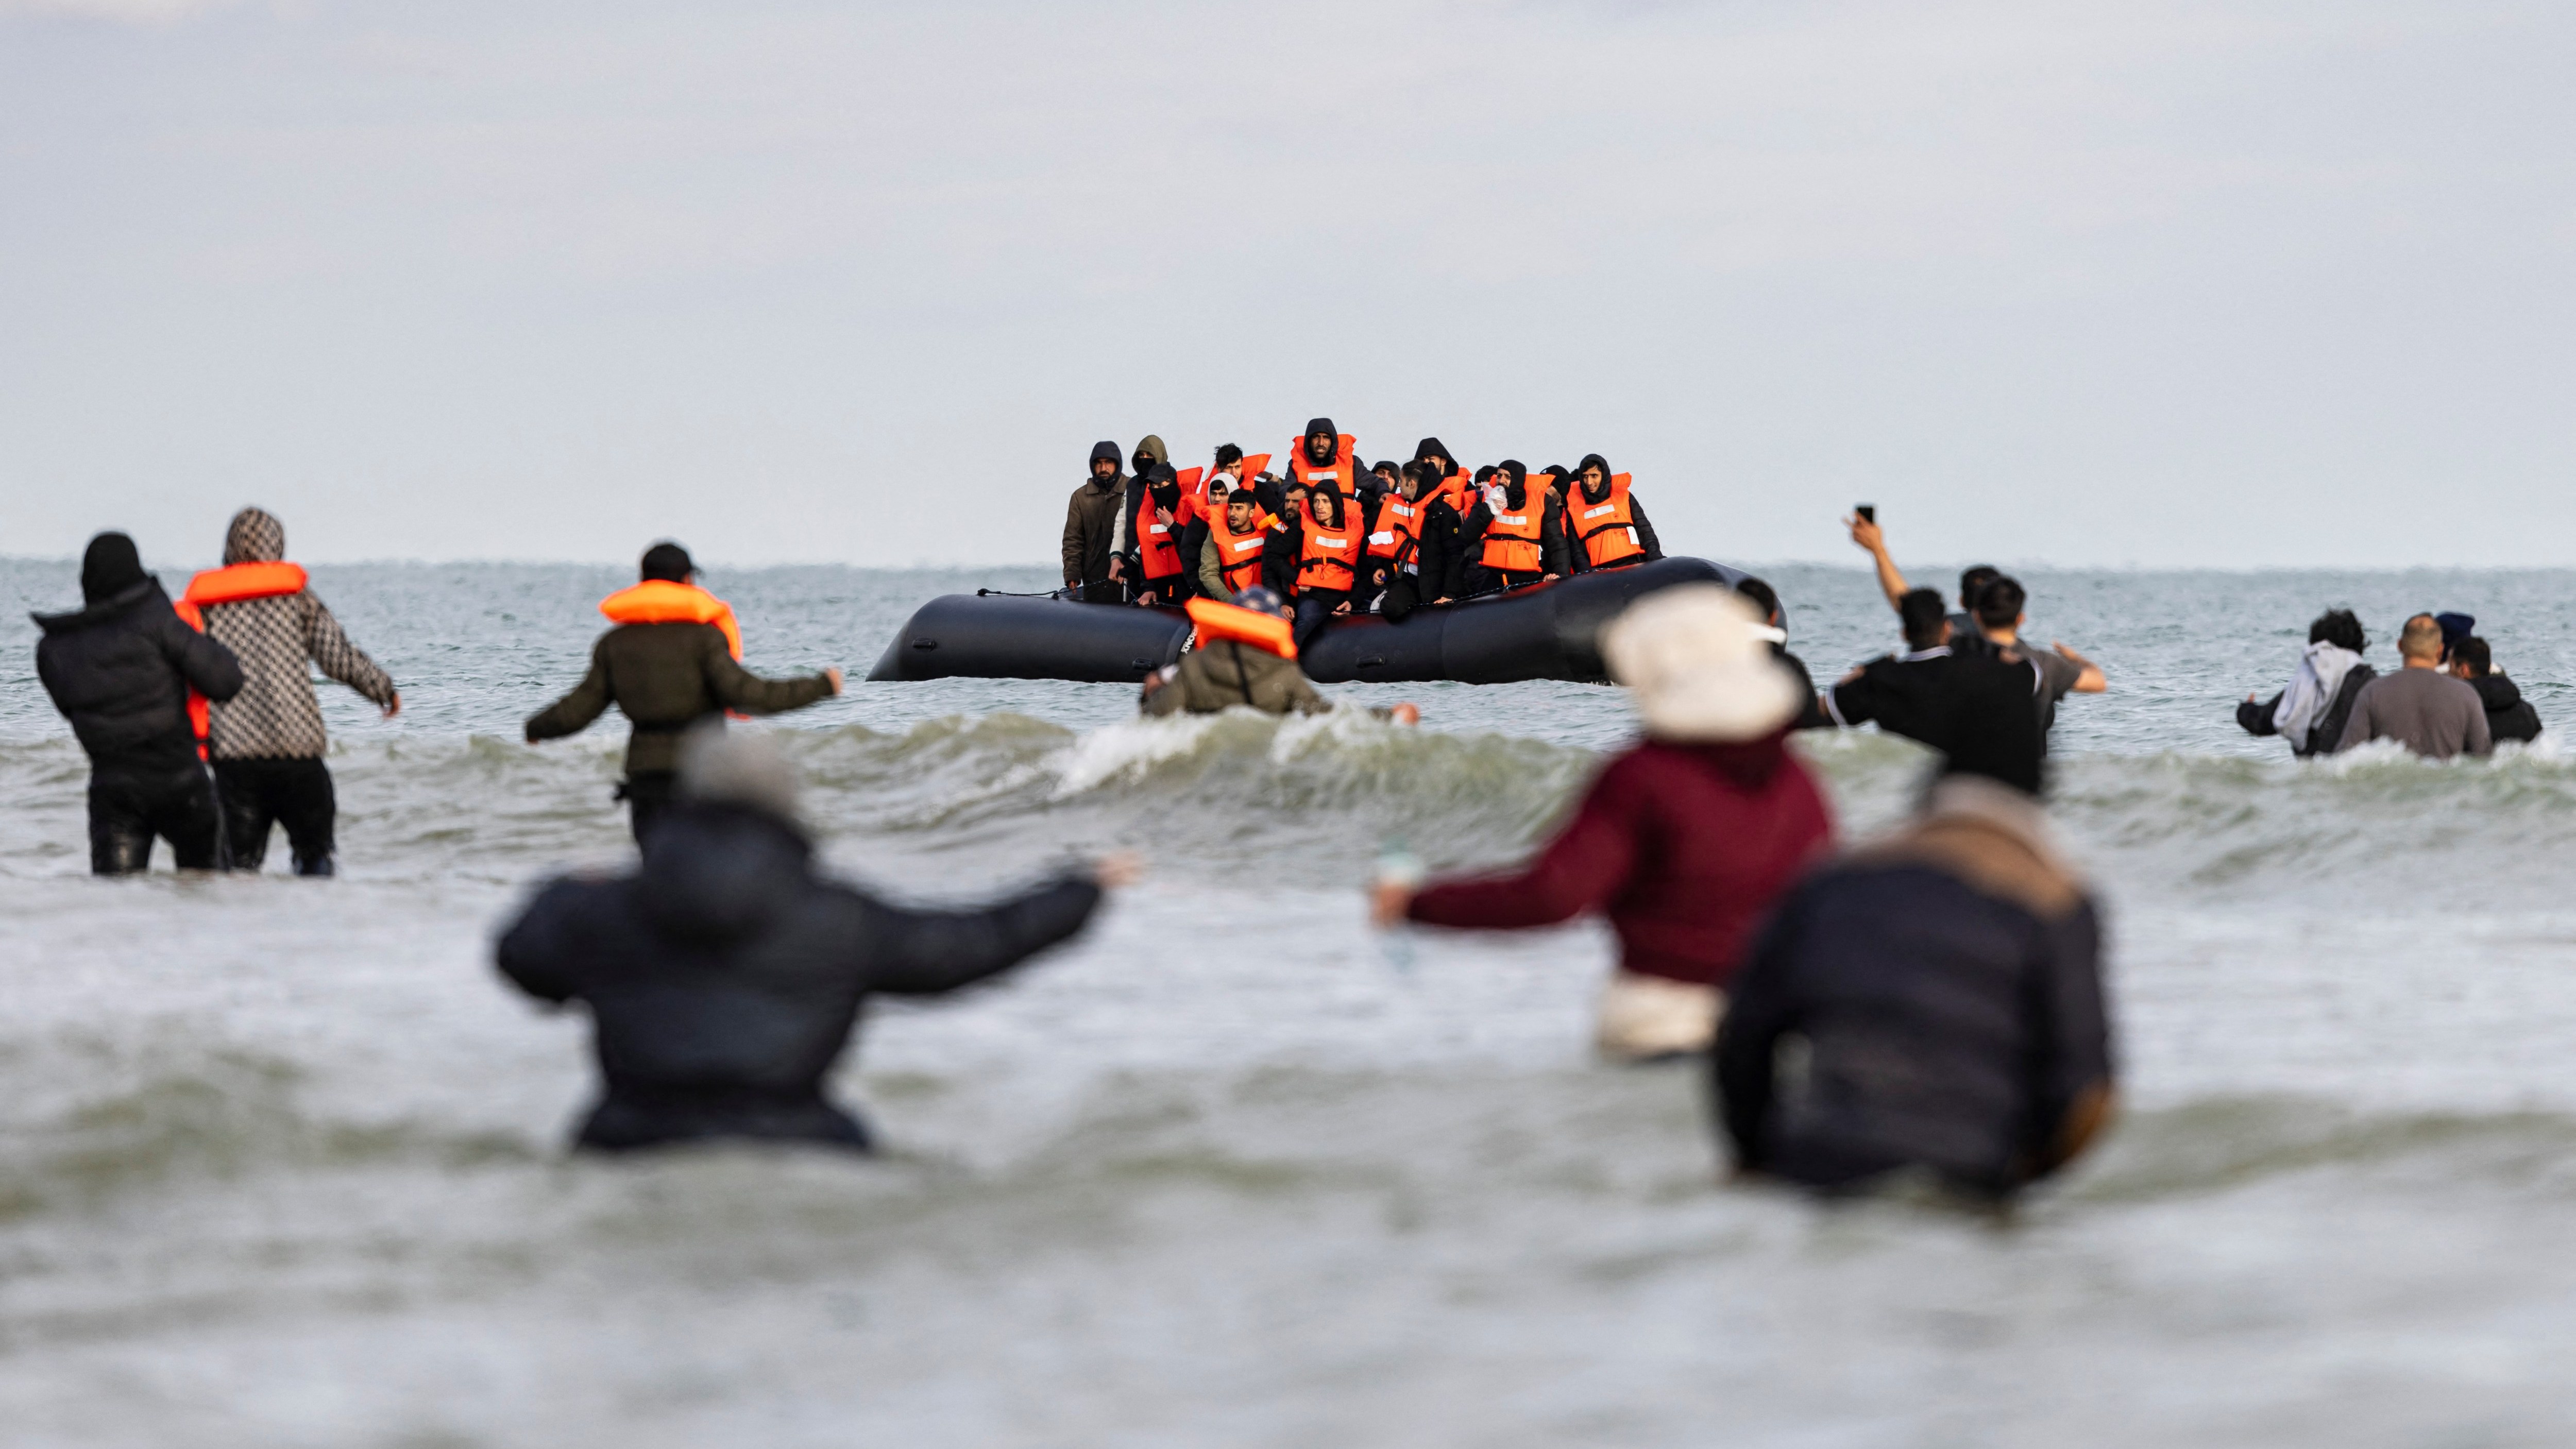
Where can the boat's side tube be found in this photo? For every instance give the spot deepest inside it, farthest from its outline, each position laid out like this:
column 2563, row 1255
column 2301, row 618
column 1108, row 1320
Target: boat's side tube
column 993, row 637
column 1551, row 631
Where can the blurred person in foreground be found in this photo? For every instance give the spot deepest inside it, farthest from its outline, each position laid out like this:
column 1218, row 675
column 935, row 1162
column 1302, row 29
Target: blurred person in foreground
column 674, row 660
column 133, row 678
column 2510, row 717
column 1683, row 841
column 268, row 740
column 1766, row 603
column 725, row 978
column 2310, row 712
column 1244, row 654
column 1931, row 1005
column 2419, row 706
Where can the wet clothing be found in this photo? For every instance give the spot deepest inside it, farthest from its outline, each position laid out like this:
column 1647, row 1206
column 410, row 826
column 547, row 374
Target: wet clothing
column 259, row 795
column 647, row 793
column 2510, row 717
column 275, row 716
column 1683, row 846
column 2427, row 711
column 1932, row 1001
column 1230, row 672
column 131, row 805
column 2326, row 732
column 1091, row 530
column 724, row 979
column 665, row 678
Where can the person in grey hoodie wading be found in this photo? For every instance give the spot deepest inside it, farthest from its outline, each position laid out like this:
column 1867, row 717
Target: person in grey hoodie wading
column 268, row 740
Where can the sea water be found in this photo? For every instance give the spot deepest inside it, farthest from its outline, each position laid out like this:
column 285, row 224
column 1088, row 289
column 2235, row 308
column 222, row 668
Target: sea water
column 281, row 1161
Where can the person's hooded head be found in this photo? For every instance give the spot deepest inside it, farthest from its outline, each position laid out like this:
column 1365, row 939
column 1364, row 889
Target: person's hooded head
column 1432, row 449
column 1697, row 669
column 1514, row 481
column 1106, row 451
column 1149, row 452
column 1323, row 441
column 1164, row 485
column 669, row 562
column 254, row 536
column 1324, row 505
column 110, row 566
column 1594, row 490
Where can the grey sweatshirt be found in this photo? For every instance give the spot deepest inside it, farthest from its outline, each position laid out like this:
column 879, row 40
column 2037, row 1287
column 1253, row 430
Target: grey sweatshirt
column 2428, row 712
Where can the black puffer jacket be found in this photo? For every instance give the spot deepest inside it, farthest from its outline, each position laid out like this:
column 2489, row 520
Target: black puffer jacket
column 2509, row 715
column 725, row 977
column 120, row 671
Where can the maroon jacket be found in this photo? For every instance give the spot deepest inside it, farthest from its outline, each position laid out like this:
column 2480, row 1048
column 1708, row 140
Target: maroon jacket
column 1685, row 847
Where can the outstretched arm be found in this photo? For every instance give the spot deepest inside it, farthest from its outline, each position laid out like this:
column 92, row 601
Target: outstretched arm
column 336, row 657
column 925, row 953
column 744, row 692
column 573, row 713
column 1581, row 870
column 2092, row 680
column 1891, row 581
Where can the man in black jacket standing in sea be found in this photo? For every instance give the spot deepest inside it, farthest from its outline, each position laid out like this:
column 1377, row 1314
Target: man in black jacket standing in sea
column 724, row 978
column 120, row 669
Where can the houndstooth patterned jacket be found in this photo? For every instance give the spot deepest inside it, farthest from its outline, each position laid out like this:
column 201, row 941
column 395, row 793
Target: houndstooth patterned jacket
column 275, row 716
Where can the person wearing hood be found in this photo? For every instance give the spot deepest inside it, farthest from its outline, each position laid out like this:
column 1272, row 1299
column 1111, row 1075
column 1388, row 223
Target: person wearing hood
column 1449, row 481
column 1931, row 1008
column 2510, row 717
column 1325, row 458
column 1091, row 566
column 268, row 740
column 1160, row 577
column 726, row 977
column 133, row 679
column 1317, row 551
column 673, row 661
column 1129, row 548
column 1510, row 538
column 1607, row 527
column 2310, row 712
column 1684, row 840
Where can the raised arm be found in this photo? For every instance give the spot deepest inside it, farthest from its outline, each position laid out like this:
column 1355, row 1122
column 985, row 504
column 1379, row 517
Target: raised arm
column 1891, row 582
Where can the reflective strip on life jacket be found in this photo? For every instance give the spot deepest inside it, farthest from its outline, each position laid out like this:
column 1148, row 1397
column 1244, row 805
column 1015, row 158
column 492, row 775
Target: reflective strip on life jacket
column 1398, row 522
column 1342, row 473
column 662, row 601
column 1329, row 560
column 1607, row 528
column 1266, row 632
column 1238, row 554
column 1512, row 540
column 231, row 584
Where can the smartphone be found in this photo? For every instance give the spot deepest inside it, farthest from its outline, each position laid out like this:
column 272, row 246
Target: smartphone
column 1868, row 512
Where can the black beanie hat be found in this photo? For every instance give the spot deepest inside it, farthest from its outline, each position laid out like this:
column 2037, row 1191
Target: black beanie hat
column 668, row 561
column 110, row 567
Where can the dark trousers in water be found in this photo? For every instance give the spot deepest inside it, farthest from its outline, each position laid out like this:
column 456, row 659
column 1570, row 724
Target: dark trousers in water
column 1315, row 609
column 130, row 807
column 258, row 795
column 647, row 794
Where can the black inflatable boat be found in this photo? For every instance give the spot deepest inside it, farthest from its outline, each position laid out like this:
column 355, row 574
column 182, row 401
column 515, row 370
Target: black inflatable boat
column 1546, row 631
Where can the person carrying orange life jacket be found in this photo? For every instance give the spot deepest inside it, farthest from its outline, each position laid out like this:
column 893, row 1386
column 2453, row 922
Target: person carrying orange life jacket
column 267, row 742
column 1242, row 654
column 1511, row 539
column 1325, row 458
column 1610, row 528
column 671, row 662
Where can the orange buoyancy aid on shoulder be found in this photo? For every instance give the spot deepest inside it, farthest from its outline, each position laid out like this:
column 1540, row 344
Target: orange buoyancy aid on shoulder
column 1266, row 632
column 1608, row 528
column 231, row 584
column 1399, row 523
column 1158, row 544
column 1330, row 558
column 661, row 601
column 1342, row 475
column 1512, row 539
column 1238, row 554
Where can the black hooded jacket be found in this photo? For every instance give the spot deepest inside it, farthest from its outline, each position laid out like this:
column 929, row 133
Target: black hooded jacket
column 1469, row 573
column 120, row 671
column 1585, row 497
column 724, row 979
column 2509, row 715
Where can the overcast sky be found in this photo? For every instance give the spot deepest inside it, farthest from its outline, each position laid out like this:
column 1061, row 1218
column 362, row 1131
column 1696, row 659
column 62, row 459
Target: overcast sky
column 2232, row 284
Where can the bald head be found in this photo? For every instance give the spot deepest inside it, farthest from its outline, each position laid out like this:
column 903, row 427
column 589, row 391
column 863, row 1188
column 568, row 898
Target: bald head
column 2421, row 640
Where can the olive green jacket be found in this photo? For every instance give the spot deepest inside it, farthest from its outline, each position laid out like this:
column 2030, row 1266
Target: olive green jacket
column 664, row 678
column 1230, row 672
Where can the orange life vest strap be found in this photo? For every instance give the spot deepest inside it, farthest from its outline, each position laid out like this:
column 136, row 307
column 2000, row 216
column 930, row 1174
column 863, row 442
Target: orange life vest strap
column 1266, row 632
column 662, row 601
column 201, row 712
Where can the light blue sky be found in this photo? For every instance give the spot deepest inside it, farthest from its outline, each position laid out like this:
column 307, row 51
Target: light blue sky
column 2163, row 284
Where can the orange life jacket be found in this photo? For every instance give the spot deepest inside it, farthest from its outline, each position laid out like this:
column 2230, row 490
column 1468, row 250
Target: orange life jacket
column 1512, row 539
column 1607, row 528
column 231, row 584
column 1238, row 554
column 661, row 601
column 1158, row 545
column 1266, row 632
column 1331, row 557
column 1399, row 523
column 1341, row 475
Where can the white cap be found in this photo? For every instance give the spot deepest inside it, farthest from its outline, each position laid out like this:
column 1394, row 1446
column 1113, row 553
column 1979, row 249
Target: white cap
column 1700, row 671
